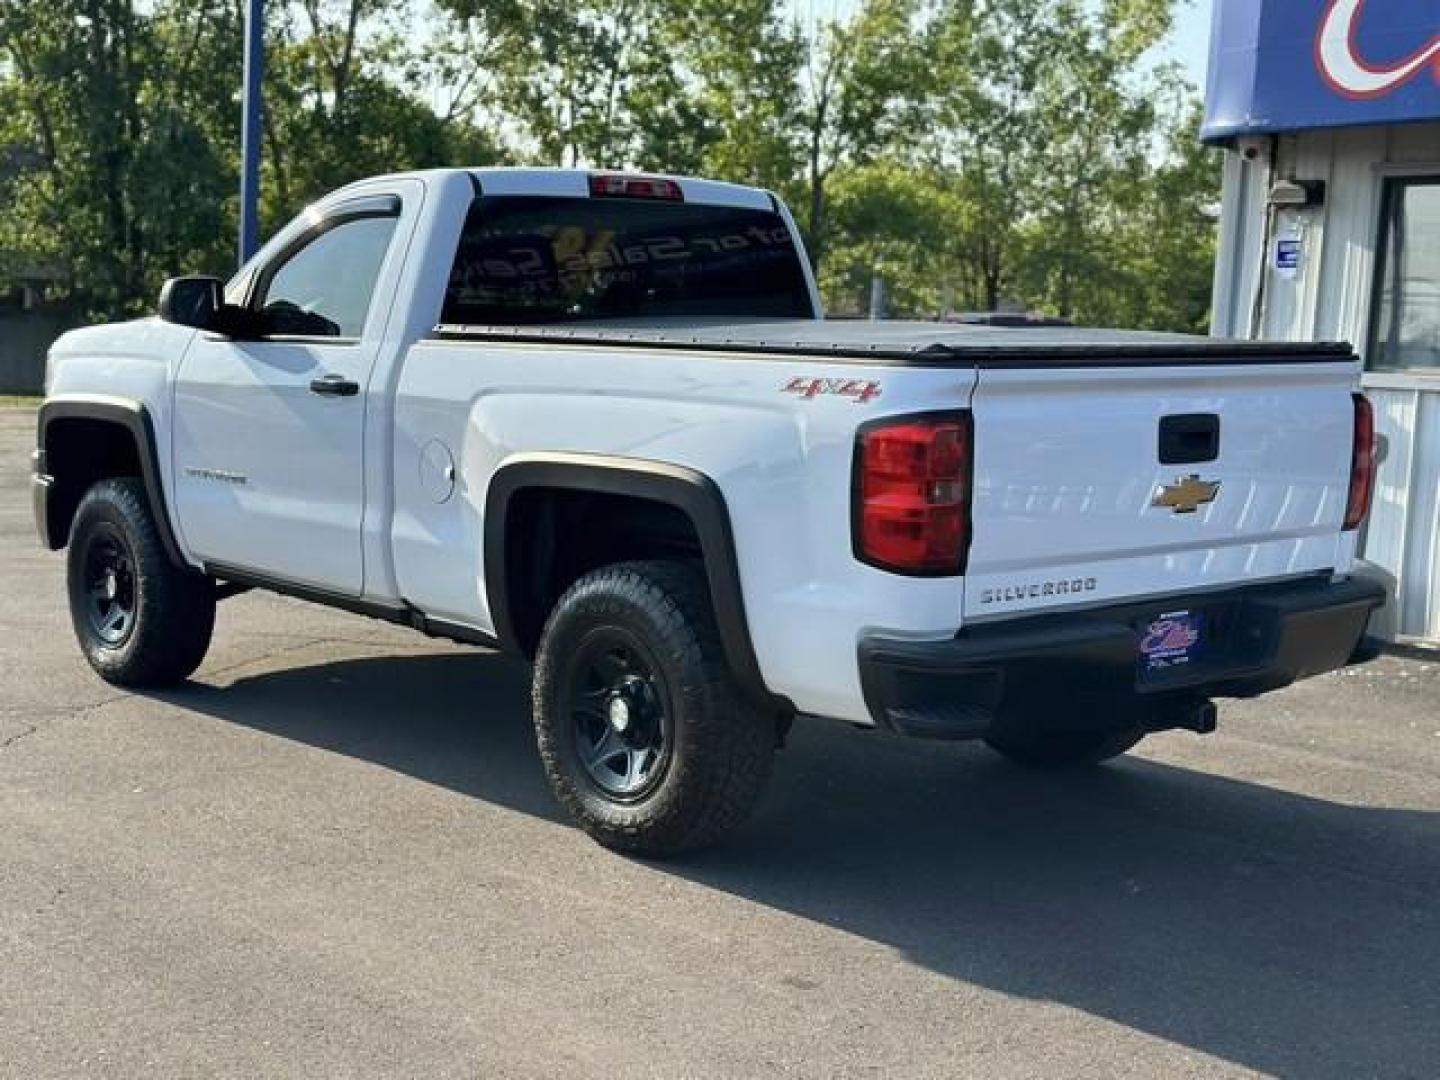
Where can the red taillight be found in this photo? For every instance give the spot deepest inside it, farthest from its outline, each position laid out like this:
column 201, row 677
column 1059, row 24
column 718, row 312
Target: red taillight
column 1362, row 464
column 912, row 494
column 620, row 186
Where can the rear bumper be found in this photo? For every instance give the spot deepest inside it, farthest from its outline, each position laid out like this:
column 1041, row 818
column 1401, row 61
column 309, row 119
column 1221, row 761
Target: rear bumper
column 1086, row 662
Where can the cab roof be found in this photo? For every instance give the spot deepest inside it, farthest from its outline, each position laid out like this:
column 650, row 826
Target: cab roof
column 575, row 183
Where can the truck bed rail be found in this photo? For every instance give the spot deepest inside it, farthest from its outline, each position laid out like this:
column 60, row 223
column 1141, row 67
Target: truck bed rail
column 927, row 344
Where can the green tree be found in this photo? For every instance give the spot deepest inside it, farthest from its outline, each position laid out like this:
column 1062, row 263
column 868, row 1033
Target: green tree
column 110, row 124
column 897, row 222
column 1056, row 138
column 1099, row 121
column 1152, row 266
column 341, row 104
column 969, row 152
column 692, row 86
column 990, row 131
column 718, row 95
column 563, row 72
column 866, row 89
column 119, row 125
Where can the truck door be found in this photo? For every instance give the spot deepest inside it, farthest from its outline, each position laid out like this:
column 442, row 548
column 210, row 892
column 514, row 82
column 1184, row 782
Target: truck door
column 269, row 431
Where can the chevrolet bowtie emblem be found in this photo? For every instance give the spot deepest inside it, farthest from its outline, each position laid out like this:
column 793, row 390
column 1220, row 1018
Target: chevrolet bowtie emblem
column 1187, row 494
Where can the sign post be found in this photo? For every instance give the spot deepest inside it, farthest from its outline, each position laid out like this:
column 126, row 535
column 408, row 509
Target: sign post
column 250, row 128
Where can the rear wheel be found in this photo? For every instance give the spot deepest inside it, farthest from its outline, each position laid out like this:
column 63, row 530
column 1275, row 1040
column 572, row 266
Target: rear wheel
column 1061, row 749
column 140, row 620
column 644, row 738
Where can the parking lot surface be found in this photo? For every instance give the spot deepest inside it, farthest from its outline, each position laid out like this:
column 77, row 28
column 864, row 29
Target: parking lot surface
column 333, row 854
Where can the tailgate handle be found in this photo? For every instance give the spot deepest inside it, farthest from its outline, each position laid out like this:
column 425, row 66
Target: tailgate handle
column 1189, row 438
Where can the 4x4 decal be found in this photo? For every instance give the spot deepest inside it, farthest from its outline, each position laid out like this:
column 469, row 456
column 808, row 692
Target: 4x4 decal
column 857, row 390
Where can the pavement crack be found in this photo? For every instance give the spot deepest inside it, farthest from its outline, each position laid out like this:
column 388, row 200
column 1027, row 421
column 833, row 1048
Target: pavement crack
column 51, row 717
column 9, row 741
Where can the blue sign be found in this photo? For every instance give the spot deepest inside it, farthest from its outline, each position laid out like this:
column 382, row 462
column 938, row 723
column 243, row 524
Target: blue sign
column 1288, row 65
column 1287, row 255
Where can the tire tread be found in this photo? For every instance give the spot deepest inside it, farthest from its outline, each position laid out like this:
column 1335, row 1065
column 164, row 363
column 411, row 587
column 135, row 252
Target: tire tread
column 175, row 615
column 731, row 743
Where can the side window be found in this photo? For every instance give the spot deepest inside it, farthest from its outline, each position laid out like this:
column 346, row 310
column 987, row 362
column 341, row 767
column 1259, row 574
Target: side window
column 324, row 288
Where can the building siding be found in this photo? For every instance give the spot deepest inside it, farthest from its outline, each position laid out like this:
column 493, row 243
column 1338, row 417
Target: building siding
column 1329, row 297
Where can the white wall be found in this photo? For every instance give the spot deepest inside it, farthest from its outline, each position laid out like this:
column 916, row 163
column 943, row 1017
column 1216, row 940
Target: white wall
column 1328, row 297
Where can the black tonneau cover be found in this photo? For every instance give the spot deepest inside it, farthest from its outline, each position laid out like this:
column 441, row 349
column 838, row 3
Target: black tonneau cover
column 910, row 342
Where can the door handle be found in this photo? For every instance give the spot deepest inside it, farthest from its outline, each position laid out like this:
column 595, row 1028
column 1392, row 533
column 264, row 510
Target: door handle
column 334, row 386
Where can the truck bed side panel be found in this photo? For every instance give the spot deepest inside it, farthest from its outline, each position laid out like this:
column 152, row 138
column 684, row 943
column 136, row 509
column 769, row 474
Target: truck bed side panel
column 781, row 459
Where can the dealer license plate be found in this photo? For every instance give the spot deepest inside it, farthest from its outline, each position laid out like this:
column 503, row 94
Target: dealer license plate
column 1171, row 641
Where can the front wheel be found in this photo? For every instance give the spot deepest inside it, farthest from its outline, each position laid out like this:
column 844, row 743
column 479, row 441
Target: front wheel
column 140, row 619
column 644, row 738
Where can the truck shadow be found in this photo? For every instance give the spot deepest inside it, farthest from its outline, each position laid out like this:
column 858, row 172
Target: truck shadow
column 1285, row 933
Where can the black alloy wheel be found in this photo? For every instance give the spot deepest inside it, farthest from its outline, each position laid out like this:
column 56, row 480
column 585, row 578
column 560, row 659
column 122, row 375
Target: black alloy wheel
column 644, row 737
column 109, row 584
column 617, row 704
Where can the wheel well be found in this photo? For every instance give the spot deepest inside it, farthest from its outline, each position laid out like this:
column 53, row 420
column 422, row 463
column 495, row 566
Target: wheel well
column 554, row 536
column 79, row 452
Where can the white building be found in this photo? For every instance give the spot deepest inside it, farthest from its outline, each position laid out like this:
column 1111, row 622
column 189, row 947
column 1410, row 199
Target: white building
column 1330, row 114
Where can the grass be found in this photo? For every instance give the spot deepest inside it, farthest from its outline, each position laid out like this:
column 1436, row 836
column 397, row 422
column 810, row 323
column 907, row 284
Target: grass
column 19, row 401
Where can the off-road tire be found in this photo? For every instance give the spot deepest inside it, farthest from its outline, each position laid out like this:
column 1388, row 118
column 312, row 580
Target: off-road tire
column 1042, row 749
column 173, row 608
column 721, row 747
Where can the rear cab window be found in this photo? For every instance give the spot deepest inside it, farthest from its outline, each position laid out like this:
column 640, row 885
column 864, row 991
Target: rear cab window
column 528, row 260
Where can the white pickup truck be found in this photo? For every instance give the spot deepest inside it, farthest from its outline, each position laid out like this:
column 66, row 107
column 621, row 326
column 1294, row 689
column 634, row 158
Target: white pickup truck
column 597, row 420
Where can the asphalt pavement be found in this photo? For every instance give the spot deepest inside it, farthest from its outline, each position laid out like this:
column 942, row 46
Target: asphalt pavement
column 333, row 854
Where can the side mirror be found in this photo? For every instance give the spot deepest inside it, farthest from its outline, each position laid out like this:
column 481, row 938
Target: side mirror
column 191, row 301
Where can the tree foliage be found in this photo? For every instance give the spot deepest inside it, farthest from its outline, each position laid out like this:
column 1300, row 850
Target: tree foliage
column 112, row 144
column 968, row 153
column 119, row 130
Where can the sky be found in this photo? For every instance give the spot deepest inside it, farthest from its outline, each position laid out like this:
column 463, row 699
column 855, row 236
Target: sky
column 1190, row 44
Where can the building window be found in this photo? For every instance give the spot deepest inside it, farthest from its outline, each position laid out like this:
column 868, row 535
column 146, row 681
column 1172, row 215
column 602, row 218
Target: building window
column 1405, row 319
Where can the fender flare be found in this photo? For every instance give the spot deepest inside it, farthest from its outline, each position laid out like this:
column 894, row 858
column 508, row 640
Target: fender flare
column 691, row 492
column 134, row 417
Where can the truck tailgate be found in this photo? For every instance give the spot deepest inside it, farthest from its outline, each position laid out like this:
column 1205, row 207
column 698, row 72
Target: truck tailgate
column 1104, row 483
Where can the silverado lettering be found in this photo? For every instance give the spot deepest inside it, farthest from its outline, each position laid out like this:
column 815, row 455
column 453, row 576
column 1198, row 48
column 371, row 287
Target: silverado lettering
column 1035, row 589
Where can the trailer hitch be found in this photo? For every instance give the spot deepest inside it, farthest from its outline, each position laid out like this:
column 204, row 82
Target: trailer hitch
column 1195, row 714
